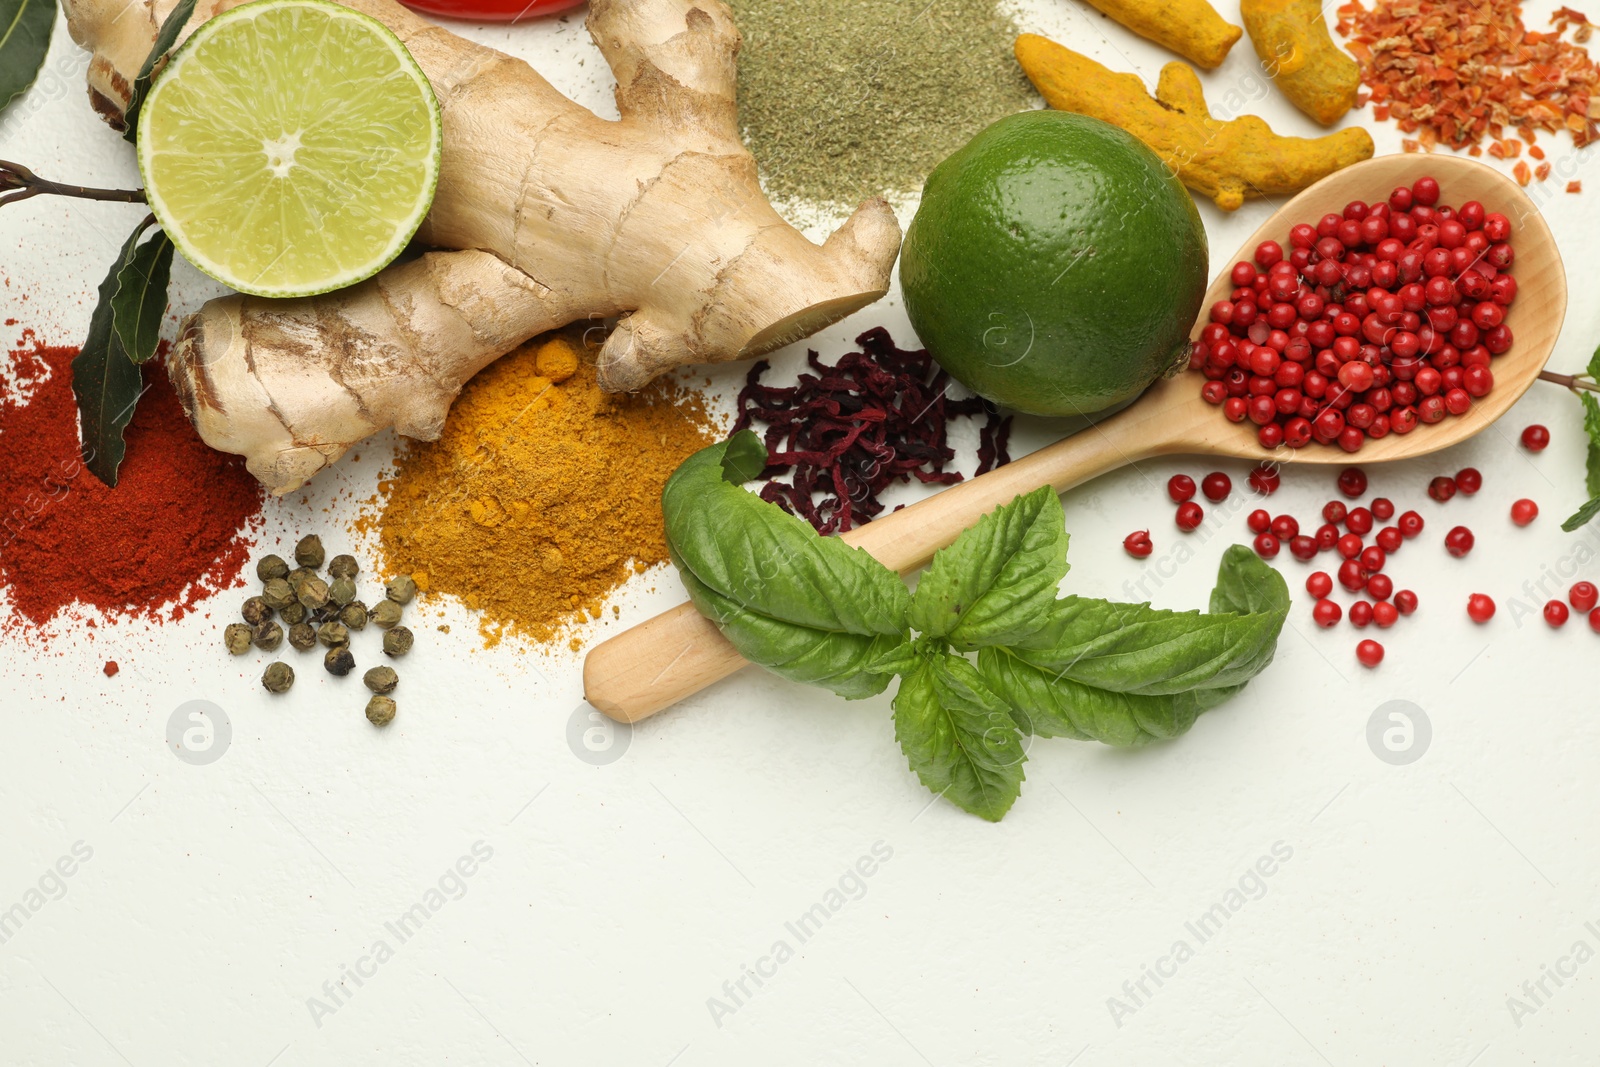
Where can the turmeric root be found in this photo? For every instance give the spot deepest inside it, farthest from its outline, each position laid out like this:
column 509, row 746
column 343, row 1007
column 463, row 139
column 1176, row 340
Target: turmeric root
column 1292, row 41
column 1191, row 28
column 1227, row 161
column 556, row 216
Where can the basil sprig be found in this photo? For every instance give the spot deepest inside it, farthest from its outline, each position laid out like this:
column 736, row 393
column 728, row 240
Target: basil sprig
column 814, row 610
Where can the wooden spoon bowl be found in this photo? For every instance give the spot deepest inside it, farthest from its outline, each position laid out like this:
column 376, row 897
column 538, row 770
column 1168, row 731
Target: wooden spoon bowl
column 677, row 653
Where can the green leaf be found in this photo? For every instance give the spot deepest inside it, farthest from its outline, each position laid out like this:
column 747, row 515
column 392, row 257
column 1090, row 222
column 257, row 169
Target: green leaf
column 745, row 458
column 1583, row 515
column 25, row 27
column 141, row 298
column 106, row 382
column 959, row 736
column 997, row 583
column 1594, row 366
column 166, row 37
column 1591, row 426
column 807, row 607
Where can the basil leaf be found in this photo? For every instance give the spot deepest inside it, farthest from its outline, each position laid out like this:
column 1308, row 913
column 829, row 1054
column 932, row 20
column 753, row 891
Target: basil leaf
column 166, row 37
column 959, row 736
column 106, row 382
column 25, row 27
column 1591, row 426
column 141, row 298
column 745, row 458
column 1594, row 366
column 851, row 665
column 1134, row 648
column 997, row 583
column 1583, row 515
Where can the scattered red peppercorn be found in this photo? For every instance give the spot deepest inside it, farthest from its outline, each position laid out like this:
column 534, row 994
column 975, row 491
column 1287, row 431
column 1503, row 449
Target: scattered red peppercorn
column 1379, row 586
column 1442, row 488
column 1382, row 508
column 1350, row 546
column 1384, row 613
column 1284, row 527
column 1555, row 613
column 1334, row 511
column 1469, row 480
column 1373, row 558
column 1319, row 584
column 1302, row 548
column 1369, row 653
column 1388, row 539
column 1405, row 602
column 1480, row 608
column 1594, row 620
column 1259, row 521
column 1583, row 596
column 1361, row 614
column 1353, row 576
column 1266, row 546
column 1265, row 479
column 1459, row 541
column 1536, row 438
column 1190, row 515
column 1138, row 544
column 1216, row 486
column 1410, row 525
column 1359, row 521
column 1327, row 613
column 1352, row 482
column 1524, row 512
column 1180, row 487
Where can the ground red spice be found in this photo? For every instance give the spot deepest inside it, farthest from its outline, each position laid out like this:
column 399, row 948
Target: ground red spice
column 111, row 668
column 175, row 530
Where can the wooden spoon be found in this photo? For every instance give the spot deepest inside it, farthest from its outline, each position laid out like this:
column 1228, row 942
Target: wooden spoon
column 662, row 661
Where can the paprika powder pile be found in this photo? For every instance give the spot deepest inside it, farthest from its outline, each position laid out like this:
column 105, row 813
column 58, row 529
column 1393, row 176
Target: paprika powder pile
column 175, row 530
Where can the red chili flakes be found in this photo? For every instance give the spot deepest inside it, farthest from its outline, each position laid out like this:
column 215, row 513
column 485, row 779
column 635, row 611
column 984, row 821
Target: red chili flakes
column 851, row 430
column 1521, row 173
column 1542, row 171
column 1457, row 72
column 1535, row 151
column 1574, row 187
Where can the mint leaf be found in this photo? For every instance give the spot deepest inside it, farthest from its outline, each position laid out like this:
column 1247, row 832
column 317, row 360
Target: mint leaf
column 1583, row 515
column 25, row 27
column 744, row 459
column 106, row 382
column 141, row 298
column 997, row 583
column 959, row 737
column 165, row 39
column 1594, row 366
column 1591, row 426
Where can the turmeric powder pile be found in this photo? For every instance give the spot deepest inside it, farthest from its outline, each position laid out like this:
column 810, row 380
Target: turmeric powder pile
column 543, row 495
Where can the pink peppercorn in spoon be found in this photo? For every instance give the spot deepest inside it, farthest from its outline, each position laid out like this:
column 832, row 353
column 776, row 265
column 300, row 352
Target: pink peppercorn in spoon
column 678, row 653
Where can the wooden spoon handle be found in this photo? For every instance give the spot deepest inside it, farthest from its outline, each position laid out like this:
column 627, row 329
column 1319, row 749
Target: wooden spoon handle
column 678, row 653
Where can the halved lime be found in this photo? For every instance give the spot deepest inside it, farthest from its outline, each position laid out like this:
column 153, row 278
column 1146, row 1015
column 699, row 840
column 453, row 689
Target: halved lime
column 290, row 147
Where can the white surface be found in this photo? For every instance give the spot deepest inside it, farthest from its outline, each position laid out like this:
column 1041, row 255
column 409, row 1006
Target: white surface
column 619, row 898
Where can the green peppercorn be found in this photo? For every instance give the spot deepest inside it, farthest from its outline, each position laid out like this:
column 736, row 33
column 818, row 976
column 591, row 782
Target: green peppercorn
column 401, row 589
column 397, row 642
column 268, row 636
column 343, row 566
column 339, row 661
column 386, row 616
column 272, row 567
column 278, row 678
column 294, row 614
column 333, row 634
column 341, row 591
column 255, row 611
column 309, row 553
column 303, row 636
column 354, row 615
column 380, row 711
column 313, row 593
column 238, row 637
column 278, row 593
column 298, row 575
column 381, row 680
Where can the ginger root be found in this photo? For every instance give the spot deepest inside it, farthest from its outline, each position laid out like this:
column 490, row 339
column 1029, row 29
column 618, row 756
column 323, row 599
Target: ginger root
column 1292, row 41
column 1226, row 161
column 556, row 216
column 1191, row 28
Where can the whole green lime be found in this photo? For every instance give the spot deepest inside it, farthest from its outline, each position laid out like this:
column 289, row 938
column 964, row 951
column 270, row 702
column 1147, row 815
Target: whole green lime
column 1055, row 266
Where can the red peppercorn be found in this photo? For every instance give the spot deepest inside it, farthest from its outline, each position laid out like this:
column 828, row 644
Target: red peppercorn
column 1583, row 596
column 1327, row 613
column 1353, row 576
column 1469, row 480
column 1259, row 521
column 1458, row 542
column 1327, row 536
column 1180, row 487
column 1352, row 482
column 1138, row 544
column 1349, row 546
column 1190, row 515
column 1536, row 438
column 1373, row 558
column 1524, row 512
column 1442, row 488
column 1358, row 521
column 1265, row 479
column 1369, row 653
column 1496, row 227
column 1302, row 547
column 1216, row 486
column 1382, row 508
column 1405, row 602
column 1425, row 191
column 1480, row 608
column 1360, row 614
column 1410, row 524
column 1284, row 527
column 1380, row 586
column 1594, row 620
column 1388, row 539
column 1319, row 584
column 1555, row 613
column 1334, row 511
column 1266, row 545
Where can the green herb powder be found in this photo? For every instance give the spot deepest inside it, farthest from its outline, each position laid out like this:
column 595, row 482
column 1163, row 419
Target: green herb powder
column 850, row 99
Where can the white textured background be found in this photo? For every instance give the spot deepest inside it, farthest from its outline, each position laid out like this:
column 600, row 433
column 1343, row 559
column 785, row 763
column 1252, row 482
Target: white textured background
column 619, row 898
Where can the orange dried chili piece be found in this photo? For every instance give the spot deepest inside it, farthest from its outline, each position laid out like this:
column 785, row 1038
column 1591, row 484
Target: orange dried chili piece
column 1522, row 173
